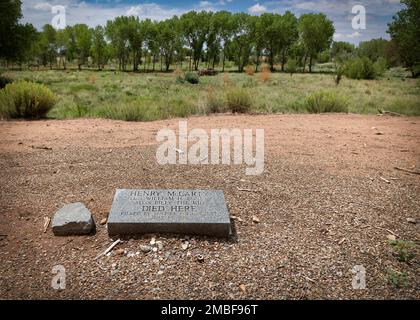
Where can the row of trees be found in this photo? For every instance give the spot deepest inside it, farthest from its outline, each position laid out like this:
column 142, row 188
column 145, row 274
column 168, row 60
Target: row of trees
column 202, row 36
column 197, row 37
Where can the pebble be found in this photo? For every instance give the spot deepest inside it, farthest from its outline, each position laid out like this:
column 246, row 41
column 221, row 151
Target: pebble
column 184, row 245
column 412, row 220
column 103, row 221
column 145, row 248
column 255, row 219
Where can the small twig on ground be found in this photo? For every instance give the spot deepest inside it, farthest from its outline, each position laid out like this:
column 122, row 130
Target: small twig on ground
column 406, row 170
column 394, row 114
column 342, row 240
column 42, row 148
column 309, row 279
column 109, row 249
column 384, row 229
column 248, row 190
column 46, row 223
column 383, row 179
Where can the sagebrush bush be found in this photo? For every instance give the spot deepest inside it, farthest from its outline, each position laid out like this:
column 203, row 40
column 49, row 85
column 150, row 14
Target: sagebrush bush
column 4, row 80
column 25, row 99
column 192, row 77
column 250, row 70
column 326, row 101
column 238, row 100
column 360, row 68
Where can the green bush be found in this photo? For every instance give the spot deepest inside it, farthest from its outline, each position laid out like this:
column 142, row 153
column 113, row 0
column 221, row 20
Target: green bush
column 4, row 81
column 360, row 68
column 239, row 100
column 26, row 100
column 326, row 101
column 192, row 78
column 380, row 66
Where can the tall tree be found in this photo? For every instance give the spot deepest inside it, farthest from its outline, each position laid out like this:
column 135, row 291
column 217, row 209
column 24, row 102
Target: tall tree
column 241, row 42
column 10, row 13
column 225, row 20
column 48, row 45
column 99, row 47
column 169, row 34
column 405, row 32
column 288, row 34
column 83, row 39
column 316, row 34
column 195, row 27
column 116, row 32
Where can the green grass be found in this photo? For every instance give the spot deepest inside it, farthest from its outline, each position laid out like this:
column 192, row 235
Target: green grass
column 151, row 96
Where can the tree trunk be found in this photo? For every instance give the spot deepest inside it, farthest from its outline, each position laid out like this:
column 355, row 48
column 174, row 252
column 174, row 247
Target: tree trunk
column 283, row 60
column 310, row 64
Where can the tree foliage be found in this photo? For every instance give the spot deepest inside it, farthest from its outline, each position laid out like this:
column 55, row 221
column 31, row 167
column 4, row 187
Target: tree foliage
column 405, row 33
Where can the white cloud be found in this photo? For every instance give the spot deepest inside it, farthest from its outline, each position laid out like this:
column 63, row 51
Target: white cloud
column 341, row 36
column 257, row 9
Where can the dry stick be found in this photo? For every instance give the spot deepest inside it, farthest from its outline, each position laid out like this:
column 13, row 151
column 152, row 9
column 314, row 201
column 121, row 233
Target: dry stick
column 309, row 279
column 389, row 113
column 383, row 179
column 46, row 223
column 406, row 170
column 109, row 249
column 390, row 231
column 247, row 190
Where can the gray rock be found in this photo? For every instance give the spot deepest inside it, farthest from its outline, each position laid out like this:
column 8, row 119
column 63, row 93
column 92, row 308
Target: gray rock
column 73, row 219
column 145, row 248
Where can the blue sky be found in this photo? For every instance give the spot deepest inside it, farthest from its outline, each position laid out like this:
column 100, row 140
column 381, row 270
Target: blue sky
column 94, row 12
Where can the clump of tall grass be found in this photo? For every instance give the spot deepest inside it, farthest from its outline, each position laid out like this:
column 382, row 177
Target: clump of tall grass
column 24, row 99
column 239, row 100
column 216, row 102
column 326, row 101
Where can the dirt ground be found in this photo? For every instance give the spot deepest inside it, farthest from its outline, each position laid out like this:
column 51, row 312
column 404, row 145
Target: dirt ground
column 322, row 205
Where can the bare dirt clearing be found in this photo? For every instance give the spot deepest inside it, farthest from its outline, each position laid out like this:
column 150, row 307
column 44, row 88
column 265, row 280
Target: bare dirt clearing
column 322, row 205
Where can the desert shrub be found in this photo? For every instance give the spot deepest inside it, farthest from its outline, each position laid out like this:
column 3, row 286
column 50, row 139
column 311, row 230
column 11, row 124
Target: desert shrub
column 397, row 279
column 404, row 250
column 360, row 68
column 4, row 80
column 239, row 100
column 192, row 77
column 250, row 70
column 265, row 74
column 26, row 100
column 325, row 101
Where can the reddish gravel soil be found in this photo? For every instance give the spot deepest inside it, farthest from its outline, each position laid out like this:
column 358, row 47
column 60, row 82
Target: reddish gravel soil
column 322, row 205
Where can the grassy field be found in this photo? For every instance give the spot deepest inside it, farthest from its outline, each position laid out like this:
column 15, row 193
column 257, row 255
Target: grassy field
column 147, row 97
